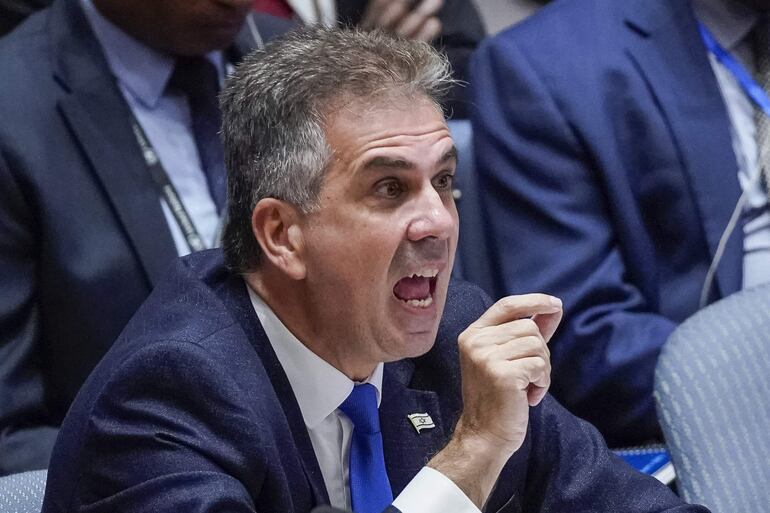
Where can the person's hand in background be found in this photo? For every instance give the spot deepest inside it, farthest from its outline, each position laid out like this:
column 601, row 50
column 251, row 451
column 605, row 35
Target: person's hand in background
column 413, row 19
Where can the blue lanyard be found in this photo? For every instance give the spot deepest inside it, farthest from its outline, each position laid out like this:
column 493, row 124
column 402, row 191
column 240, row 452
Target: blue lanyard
column 748, row 84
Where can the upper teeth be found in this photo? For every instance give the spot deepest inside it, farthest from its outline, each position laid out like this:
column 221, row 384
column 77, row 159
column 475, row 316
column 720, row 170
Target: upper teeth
column 426, row 273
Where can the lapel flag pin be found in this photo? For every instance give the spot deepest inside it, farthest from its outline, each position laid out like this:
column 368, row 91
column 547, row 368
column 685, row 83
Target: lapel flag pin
column 421, row 421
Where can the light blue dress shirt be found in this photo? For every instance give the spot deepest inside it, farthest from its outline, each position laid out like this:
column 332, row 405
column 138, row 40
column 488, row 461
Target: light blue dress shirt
column 142, row 74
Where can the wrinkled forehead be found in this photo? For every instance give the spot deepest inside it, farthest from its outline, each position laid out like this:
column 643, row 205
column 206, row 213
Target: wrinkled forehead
column 363, row 108
column 403, row 129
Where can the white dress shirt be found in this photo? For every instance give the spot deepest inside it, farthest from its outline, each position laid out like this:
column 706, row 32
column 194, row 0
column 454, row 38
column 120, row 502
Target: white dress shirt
column 142, row 74
column 731, row 23
column 319, row 389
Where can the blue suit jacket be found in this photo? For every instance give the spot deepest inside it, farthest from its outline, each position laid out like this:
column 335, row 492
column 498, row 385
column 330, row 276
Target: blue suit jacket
column 82, row 235
column 191, row 411
column 604, row 149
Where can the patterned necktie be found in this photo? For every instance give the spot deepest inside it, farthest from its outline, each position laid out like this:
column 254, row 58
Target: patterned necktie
column 761, row 48
column 369, row 486
column 197, row 78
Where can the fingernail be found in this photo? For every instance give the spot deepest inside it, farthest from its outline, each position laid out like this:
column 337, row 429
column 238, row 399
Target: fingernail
column 555, row 301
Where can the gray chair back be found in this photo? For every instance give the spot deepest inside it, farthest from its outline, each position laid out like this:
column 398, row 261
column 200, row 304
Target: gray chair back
column 712, row 388
column 22, row 493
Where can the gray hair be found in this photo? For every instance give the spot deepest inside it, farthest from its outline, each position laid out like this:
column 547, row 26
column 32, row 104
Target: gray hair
column 275, row 105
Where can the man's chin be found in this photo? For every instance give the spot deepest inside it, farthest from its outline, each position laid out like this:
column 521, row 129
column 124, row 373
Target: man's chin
column 415, row 344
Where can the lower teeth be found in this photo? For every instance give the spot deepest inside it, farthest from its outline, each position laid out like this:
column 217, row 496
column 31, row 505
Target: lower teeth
column 421, row 303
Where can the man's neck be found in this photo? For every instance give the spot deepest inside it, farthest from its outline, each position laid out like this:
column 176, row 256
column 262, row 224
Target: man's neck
column 290, row 304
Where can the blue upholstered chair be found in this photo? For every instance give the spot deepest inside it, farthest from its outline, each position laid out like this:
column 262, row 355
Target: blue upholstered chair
column 712, row 387
column 472, row 259
column 22, row 493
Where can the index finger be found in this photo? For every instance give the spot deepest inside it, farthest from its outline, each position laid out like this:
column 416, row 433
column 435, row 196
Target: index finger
column 511, row 308
column 429, row 8
column 385, row 14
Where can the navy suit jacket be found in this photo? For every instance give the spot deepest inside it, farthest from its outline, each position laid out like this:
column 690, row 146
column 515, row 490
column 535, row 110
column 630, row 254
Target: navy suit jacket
column 82, row 235
column 191, row 411
column 604, row 149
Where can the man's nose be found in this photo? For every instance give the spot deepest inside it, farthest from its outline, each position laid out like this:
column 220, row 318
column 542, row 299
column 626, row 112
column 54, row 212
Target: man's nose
column 434, row 217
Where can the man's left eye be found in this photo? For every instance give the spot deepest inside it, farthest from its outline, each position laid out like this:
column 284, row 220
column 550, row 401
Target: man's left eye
column 444, row 181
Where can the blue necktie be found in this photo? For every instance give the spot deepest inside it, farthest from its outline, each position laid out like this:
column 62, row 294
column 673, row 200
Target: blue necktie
column 369, row 486
column 198, row 79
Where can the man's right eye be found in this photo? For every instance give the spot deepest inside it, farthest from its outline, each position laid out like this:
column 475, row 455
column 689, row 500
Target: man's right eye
column 389, row 188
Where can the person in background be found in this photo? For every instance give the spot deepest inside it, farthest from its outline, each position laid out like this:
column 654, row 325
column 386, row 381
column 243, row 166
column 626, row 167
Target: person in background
column 453, row 26
column 319, row 358
column 13, row 12
column 621, row 155
column 110, row 168
column 501, row 14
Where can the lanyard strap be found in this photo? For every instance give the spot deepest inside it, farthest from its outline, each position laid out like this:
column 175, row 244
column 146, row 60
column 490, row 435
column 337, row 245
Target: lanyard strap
column 167, row 189
column 753, row 90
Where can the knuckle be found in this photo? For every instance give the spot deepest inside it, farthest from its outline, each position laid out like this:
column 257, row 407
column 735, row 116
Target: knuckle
column 531, row 326
column 533, row 343
column 469, row 340
column 540, row 365
column 527, row 327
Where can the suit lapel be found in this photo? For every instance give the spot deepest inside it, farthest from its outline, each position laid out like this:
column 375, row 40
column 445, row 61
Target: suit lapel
column 98, row 115
column 667, row 50
column 237, row 300
column 406, row 450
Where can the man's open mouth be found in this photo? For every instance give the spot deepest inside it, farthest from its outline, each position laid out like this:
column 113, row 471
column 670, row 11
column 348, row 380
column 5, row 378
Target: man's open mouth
column 417, row 290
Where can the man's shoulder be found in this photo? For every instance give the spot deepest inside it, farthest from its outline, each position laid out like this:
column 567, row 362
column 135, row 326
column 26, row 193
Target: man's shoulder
column 26, row 34
column 185, row 315
column 24, row 53
column 189, row 303
column 184, row 332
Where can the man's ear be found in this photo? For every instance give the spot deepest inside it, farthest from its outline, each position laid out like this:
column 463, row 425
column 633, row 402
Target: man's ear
column 275, row 225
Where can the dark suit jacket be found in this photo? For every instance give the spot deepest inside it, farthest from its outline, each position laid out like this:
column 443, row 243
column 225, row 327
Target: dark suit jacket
column 82, row 235
column 12, row 12
column 462, row 30
column 190, row 410
column 604, row 148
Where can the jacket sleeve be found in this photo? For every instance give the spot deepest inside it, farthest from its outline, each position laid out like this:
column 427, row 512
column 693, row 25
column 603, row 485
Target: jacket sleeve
column 166, row 430
column 26, row 435
column 550, row 231
column 569, row 455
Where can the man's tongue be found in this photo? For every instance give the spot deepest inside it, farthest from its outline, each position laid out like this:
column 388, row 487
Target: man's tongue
column 412, row 288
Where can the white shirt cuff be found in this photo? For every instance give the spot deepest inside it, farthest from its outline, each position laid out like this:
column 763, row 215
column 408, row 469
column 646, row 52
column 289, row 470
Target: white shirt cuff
column 432, row 492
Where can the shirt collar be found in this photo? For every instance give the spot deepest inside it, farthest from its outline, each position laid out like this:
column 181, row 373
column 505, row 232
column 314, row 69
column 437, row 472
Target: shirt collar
column 729, row 21
column 318, row 386
column 142, row 70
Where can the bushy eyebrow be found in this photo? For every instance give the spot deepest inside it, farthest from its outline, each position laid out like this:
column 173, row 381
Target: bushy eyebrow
column 390, row 163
